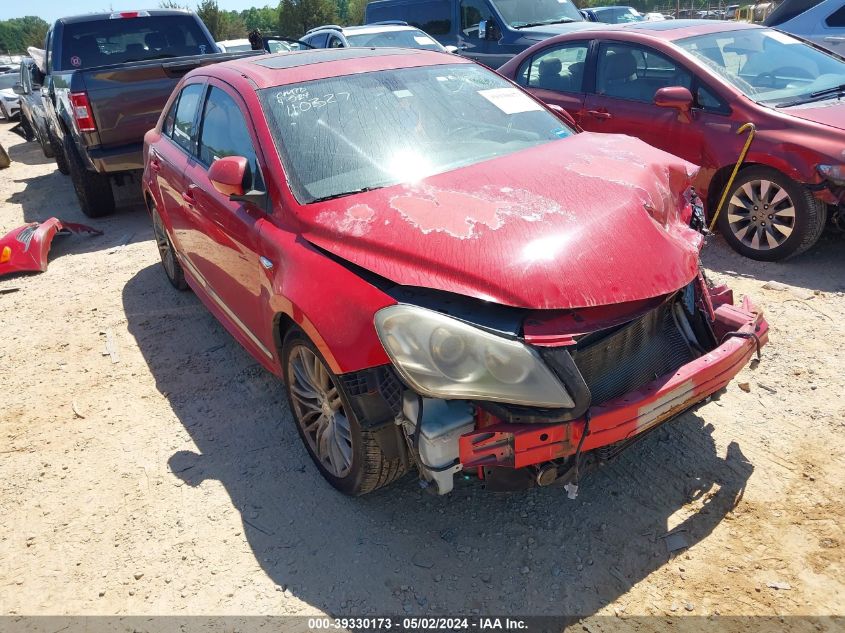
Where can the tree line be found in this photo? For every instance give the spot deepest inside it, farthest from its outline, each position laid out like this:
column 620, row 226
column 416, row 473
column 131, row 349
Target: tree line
column 18, row 33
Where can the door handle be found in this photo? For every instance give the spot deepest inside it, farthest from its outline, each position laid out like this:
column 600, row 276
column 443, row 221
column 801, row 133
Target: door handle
column 155, row 165
column 600, row 114
column 188, row 197
column 835, row 39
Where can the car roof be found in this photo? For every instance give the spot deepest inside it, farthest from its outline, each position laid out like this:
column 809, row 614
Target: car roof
column 92, row 17
column 366, row 29
column 280, row 69
column 664, row 30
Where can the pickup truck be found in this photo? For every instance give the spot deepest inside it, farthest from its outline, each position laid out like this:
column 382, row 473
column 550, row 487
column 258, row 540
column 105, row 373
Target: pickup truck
column 108, row 78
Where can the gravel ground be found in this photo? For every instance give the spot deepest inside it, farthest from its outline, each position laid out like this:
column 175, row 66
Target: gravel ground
column 173, row 481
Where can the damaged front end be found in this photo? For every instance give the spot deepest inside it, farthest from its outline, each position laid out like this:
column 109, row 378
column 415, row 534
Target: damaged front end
column 565, row 391
column 25, row 249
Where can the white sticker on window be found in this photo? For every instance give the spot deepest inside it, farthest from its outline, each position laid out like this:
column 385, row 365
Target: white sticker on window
column 401, row 94
column 510, row 100
column 783, row 38
column 423, row 39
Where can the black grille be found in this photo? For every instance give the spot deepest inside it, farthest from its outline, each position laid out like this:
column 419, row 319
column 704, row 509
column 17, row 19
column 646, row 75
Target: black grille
column 632, row 355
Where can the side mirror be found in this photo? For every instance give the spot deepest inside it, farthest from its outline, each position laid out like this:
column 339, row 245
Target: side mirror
column 482, row 30
column 563, row 115
column 18, row 89
column 228, row 174
column 451, row 49
column 676, row 97
column 493, row 32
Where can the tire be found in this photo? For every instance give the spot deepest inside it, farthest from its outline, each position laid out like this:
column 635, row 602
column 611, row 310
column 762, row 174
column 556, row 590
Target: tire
column 770, row 217
column 58, row 154
column 28, row 128
column 172, row 268
column 354, row 464
column 93, row 190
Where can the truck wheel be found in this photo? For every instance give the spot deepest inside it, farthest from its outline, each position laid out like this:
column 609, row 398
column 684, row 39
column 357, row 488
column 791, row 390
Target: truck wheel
column 27, row 127
column 769, row 216
column 46, row 147
column 347, row 456
column 170, row 263
column 58, row 154
column 92, row 189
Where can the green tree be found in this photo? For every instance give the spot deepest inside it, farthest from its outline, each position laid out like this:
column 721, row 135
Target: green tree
column 172, row 4
column 355, row 11
column 265, row 19
column 297, row 16
column 18, row 33
column 210, row 14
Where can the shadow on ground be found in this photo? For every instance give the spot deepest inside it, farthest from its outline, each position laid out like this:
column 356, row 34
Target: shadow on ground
column 52, row 195
column 401, row 550
column 820, row 268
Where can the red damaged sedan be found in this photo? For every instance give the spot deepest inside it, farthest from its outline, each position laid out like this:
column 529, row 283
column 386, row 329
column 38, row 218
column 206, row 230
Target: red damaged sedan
column 427, row 256
column 688, row 87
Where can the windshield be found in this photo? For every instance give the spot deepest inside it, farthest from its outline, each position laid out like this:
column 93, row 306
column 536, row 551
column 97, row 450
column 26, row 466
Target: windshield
column 403, row 39
column 521, row 13
column 617, row 15
column 116, row 41
column 768, row 66
column 369, row 130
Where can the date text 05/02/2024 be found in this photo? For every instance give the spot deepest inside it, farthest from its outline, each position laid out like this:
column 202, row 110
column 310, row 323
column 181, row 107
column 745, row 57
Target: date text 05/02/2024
column 375, row 623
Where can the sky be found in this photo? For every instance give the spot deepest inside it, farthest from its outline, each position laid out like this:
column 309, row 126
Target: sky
column 50, row 10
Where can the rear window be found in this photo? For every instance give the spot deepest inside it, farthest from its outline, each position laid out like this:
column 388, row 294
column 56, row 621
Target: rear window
column 115, row 41
column 431, row 16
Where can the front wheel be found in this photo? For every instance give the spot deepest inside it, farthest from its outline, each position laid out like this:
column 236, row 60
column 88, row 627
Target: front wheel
column 769, row 216
column 348, row 456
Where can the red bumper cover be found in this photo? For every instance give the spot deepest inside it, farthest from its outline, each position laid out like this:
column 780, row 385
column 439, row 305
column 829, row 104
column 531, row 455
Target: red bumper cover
column 741, row 330
column 25, row 248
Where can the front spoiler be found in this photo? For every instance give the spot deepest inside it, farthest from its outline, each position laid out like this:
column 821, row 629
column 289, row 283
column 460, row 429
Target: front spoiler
column 742, row 329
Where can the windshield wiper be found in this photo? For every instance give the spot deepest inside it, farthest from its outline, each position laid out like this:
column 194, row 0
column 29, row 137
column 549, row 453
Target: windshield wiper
column 345, row 193
column 546, row 23
column 813, row 96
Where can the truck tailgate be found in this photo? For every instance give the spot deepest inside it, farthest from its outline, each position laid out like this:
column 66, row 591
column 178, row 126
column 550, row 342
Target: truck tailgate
column 128, row 98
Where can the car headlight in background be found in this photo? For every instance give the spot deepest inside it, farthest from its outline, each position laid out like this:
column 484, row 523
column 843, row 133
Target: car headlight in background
column 833, row 173
column 442, row 357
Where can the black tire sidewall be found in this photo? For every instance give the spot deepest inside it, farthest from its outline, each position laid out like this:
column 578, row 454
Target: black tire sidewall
column 93, row 190
column 802, row 221
column 352, row 483
column 178, row 279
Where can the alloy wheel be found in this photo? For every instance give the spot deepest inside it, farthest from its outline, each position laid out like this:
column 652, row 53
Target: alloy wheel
column 319, row 411
column 165, row 250
column 761, row 214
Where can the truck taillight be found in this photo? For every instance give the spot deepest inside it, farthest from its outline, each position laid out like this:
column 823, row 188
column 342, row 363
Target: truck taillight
column 82, row 114
column 129, row 14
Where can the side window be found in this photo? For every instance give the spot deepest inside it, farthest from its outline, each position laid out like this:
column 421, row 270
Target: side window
column 335, row 42
column 837, row 18
column 183, row 129
column 472, row 12
column 318, row 40
column 559, row 68
column 636, row 72
column 706, row 99
column 224, row 133
column 434, row 17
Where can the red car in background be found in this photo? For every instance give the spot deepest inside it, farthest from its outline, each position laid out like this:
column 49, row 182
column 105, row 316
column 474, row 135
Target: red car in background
column 414, row 245
column 687, row 86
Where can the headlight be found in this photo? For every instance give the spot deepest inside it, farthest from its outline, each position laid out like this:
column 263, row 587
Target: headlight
column 834, row 173
column 442, row 357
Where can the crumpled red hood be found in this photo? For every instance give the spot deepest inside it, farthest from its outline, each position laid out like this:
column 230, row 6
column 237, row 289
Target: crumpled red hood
column 590, row 220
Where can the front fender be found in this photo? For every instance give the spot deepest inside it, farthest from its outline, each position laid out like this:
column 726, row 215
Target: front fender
column 332, row 304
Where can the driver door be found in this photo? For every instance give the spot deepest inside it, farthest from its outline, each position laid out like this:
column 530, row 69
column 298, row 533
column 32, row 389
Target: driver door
column 470, row 42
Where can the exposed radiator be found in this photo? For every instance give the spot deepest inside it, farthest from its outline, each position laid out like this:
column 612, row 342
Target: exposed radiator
column 632, row 355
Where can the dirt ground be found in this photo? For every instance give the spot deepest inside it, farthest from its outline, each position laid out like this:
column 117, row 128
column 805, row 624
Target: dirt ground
column 173, row 481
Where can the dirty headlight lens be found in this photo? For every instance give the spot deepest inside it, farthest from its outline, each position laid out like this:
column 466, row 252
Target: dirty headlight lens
column 833, row 173
column 442, row 357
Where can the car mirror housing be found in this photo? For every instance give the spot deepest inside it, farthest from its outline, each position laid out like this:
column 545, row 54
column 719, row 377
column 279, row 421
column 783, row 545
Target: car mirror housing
column 676, row 97
column 228, row 174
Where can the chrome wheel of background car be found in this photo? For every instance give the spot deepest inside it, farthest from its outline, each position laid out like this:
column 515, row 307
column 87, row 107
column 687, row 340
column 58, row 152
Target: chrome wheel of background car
column 761, row 214
column 319, row 411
